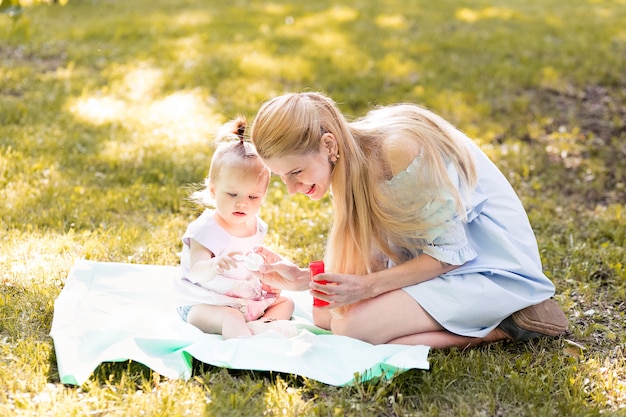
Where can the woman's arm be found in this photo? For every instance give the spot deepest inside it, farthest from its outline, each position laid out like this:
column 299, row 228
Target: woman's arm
column 343, row 289
column 280, row 273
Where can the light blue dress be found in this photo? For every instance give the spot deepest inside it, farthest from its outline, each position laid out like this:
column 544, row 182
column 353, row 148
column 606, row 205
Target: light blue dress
column 500, row 270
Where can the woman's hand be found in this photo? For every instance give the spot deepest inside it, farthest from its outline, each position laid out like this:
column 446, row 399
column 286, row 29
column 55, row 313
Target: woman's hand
column 342, row 289
column 277, row 272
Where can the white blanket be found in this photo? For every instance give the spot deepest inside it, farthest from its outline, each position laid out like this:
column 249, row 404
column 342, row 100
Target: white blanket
column 110, row 312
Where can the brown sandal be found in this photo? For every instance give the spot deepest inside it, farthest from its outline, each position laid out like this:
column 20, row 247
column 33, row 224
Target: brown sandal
column 541, row 320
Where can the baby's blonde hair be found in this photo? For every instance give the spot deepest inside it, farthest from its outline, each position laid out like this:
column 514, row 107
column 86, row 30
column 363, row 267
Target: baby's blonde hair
column 370, row 218
column 232, row 152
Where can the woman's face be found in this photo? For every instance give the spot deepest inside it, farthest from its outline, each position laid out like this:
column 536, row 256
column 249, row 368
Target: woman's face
column 308, row 174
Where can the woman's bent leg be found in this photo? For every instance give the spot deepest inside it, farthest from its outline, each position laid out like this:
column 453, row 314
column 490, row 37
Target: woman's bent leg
column 445, row 339
column 395, row 317
column 384, row 318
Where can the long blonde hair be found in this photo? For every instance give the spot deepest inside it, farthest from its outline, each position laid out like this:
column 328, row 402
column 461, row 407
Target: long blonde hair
column 370, row 218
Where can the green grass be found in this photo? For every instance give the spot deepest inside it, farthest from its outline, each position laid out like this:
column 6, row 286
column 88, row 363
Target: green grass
column 106, row 113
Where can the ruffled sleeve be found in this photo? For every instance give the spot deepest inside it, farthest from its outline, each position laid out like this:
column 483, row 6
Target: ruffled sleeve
column 452, row 247
column 447, row 243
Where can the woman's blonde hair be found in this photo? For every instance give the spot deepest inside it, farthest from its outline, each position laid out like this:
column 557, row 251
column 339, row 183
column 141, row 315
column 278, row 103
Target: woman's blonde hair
column 371, row 217
column 232, row 152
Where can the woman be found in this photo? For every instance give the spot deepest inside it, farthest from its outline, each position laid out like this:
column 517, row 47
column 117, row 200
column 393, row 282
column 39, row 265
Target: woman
column 429, row 243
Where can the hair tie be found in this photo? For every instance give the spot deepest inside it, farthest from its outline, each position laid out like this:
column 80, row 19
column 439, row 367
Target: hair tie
column 240, row 125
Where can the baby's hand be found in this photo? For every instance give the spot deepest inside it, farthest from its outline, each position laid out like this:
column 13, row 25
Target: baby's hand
column 204, row 270
column 270, row 290
column 225, row 262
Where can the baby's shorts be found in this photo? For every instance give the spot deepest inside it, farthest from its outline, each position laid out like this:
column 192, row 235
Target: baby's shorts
column 183, row 311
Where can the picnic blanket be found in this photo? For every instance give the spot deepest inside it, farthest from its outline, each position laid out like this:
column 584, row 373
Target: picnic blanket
column 112, row 312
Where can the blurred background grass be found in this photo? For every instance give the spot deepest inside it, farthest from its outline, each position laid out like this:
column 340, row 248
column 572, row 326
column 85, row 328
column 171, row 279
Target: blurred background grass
column 107, row 110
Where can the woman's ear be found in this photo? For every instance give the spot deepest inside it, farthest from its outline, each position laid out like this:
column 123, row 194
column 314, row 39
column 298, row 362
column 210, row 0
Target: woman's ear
column 329, row 143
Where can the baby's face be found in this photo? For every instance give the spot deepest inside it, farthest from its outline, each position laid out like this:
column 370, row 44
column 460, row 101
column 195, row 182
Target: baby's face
column 238, row 197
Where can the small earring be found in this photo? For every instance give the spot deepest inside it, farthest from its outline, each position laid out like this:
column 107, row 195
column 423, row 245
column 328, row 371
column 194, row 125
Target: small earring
column 334, row 158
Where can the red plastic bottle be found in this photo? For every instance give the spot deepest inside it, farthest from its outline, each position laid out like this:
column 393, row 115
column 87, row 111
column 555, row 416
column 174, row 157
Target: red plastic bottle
column 317, row 267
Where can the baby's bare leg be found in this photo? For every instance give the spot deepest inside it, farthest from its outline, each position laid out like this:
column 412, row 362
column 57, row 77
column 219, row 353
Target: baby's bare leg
column 276, row 318
column 282, row 309
column 227, row 321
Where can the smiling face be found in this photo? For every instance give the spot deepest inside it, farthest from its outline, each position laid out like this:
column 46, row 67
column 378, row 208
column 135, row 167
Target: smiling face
column 295, row 136
column 309, row 174
column 238, row 195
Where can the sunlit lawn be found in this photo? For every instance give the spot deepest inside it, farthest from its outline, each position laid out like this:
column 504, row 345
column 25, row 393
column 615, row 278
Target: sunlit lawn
column 107, row 109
